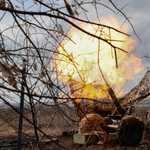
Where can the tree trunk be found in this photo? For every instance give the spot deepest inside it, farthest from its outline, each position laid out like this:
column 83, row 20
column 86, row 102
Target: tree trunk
column 139, row 92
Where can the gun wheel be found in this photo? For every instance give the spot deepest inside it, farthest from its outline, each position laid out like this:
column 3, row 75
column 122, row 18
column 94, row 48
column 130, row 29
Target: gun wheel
column 130, row 131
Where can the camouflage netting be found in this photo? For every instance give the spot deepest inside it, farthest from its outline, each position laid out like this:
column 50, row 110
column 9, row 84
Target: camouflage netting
column 86, row 107
column 92, row 122
column 95, row 123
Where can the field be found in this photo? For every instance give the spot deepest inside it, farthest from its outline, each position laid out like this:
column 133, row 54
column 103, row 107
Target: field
column 48, row 119
column 53, row 123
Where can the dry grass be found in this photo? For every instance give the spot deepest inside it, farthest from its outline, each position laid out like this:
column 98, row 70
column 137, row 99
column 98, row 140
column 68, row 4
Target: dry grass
column 9, row 122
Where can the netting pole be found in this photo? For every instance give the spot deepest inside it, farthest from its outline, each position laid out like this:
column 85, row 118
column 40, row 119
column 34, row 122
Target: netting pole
column 21, row 106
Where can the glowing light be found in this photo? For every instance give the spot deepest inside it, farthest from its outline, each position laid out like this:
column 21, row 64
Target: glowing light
column 80, row 60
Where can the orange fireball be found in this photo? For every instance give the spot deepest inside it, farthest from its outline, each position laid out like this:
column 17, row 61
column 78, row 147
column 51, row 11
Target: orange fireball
column 81, row 57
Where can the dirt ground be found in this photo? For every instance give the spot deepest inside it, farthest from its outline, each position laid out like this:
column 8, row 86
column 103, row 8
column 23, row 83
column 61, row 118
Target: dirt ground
column 66, row 141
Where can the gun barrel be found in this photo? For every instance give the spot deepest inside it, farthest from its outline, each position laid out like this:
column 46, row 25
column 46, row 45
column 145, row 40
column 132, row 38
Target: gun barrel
column 116, row 102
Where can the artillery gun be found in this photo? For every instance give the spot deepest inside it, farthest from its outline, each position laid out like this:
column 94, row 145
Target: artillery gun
column 113, row 116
